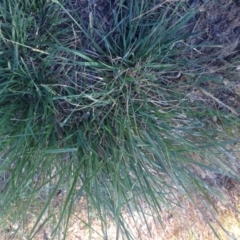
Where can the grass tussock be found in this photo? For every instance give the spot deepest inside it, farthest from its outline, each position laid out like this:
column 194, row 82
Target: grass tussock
column 105, row 107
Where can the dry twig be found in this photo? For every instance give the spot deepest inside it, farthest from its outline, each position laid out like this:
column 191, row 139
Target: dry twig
column 218, row 101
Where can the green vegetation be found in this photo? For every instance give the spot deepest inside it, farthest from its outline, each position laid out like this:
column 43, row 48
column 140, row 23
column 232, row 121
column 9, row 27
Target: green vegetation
column 104, row 108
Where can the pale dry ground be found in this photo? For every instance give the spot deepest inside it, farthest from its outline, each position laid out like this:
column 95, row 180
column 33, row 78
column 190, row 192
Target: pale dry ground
column 186, row 223
column 177, row 224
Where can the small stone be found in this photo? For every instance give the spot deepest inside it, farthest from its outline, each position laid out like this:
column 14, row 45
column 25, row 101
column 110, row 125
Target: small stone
column 214, row 119
column 225, row 81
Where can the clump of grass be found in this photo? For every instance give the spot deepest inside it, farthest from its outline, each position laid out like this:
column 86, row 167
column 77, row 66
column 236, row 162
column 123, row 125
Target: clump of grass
column 100, row 107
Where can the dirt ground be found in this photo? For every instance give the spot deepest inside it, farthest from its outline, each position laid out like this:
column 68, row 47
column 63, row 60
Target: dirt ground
column 186, row 223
